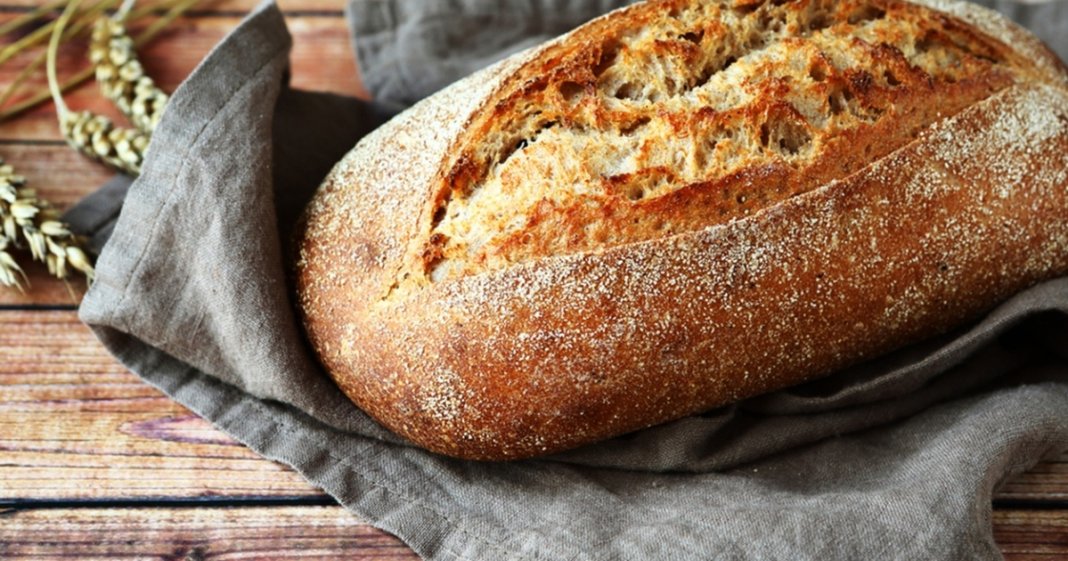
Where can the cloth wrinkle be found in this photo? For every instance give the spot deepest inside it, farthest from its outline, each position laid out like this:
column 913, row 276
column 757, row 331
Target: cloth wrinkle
column 278, row 424
column 174, row 190
column 346, row 461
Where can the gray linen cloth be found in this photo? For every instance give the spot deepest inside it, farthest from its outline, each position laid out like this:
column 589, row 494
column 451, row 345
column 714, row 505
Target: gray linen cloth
column 892, row 459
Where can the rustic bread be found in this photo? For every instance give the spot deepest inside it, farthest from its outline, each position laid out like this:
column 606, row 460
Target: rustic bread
column 679, row 205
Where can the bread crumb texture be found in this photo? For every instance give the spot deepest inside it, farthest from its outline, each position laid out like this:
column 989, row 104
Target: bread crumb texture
column 679, row 205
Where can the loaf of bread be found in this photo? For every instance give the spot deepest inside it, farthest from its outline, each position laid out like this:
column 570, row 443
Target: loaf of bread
column 679, row 205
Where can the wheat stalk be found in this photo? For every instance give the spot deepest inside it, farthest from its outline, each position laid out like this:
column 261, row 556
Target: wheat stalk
column 174, row 8
column 30, row 222
column 30, row 68
column 39, row 34
column 77, row 28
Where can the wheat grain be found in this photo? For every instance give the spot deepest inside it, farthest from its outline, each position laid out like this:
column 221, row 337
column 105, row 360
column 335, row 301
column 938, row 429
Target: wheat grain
column 93, row 135
column 98, row 137
column 31, row 223
column 121, row 76
column 11, row 275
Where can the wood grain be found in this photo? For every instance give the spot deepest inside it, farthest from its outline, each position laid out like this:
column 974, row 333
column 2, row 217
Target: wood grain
column 75, row 424
column 321, row 532
column 58, row 173
column 1047, row 481
column 1032, row 535
column 194, row 534
column 321, row 59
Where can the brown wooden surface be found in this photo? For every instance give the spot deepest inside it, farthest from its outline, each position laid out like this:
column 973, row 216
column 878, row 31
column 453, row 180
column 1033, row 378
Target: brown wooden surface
column 95, row 464
column 1032, row 535
column 75, row 424
column 193, row 534
column 316, row 532
column 320, row 60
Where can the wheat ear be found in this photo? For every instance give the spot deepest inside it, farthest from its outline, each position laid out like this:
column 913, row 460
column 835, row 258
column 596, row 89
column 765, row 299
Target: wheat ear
column 30, row 222
column 120, row 74
column 93, row 135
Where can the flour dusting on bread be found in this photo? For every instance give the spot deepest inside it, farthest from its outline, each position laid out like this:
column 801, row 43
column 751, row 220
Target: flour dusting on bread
column 493, row 287
column 695, row 119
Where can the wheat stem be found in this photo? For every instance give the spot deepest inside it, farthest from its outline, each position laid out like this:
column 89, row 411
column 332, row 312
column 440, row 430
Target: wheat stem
column 76, row 29
column 119, row 73
column 53, row 47
column 29, row 17
column 41, row 33
column 176, row 9
column 93, row 135
column 123, row 10
column 147, row 10
column 20, row 78
column 78, row 79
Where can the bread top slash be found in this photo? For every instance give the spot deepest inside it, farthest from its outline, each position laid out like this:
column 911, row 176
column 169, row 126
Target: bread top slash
column 493, row 287
column 684, row 115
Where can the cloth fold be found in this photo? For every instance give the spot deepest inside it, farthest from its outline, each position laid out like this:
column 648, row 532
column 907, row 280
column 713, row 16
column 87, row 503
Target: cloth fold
column 894, row 458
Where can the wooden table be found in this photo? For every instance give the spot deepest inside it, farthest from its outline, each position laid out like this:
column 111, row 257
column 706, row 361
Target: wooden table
column 95, row 464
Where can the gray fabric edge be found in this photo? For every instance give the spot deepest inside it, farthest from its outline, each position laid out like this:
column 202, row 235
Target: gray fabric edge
column 266, row 15
column 95, row 215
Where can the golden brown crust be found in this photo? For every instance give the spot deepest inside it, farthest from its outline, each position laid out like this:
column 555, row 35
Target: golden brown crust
column 702, row 97
column 568, row 347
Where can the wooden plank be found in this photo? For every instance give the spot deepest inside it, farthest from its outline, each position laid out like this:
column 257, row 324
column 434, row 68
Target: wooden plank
column 213, row 6
column 193, row 534
column 43, row 289
column 57, row 172
column 321, row 60
column 321, row 532
column 75, row 424
column 1047, row 481
column 1032, row 535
